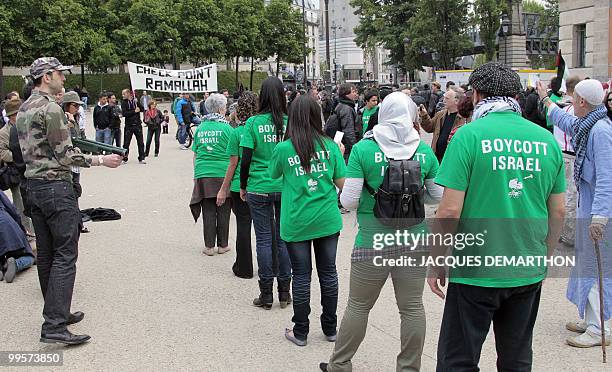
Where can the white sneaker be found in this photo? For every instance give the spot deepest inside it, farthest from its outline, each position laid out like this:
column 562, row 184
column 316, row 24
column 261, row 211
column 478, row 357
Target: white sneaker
column 222, row 250
column 586, row 340
column 183, row 147
column 209, row 251
column 578, row 327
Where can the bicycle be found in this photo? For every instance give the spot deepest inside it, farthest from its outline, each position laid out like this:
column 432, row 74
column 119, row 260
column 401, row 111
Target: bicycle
column 195, row 121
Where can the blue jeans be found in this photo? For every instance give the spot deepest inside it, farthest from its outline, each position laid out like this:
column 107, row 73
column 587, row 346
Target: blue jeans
column 24, row 262
column 301, row 262
column 182, row 133
column 272, row 257
column 104, row 136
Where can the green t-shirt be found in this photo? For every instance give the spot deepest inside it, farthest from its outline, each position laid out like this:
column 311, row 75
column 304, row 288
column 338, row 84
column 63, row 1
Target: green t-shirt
column 234, row 149
column 508, row 168
column 260, row 135
column 210, row 144
column 367, row 113
column 367, row 161
column 309, row 200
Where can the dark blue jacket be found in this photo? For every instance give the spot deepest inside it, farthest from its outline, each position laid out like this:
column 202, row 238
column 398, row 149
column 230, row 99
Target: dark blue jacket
column 12, row 233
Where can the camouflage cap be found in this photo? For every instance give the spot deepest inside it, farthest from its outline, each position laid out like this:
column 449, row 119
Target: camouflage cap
column 12, row 106
column 72, row 97
column 44, row 65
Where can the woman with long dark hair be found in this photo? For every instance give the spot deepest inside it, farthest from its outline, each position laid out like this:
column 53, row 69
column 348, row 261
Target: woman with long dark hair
column 243, row 266
column 261, row 134
column 311, row 166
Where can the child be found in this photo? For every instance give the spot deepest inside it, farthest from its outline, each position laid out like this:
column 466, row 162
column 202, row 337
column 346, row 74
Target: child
column 164, row 123
column 15, row 251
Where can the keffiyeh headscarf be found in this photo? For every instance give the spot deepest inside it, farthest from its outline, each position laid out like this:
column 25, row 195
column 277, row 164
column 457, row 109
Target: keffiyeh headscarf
column 500, row 83
column 495, row 104
column 582, row 129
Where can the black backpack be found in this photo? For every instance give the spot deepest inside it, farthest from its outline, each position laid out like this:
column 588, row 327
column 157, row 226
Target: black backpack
column 399, row 202
column 332, row 125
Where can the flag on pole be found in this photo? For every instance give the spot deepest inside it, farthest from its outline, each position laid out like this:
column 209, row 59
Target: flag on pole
column 562, row 74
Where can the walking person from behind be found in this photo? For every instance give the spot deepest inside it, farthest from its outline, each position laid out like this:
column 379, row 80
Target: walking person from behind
column 131, row 109
column 261, row 134
column 311, row 166
column 210, row 162
column 243, row 266
column 49, row 154
column 394, row 137
column 503, row 177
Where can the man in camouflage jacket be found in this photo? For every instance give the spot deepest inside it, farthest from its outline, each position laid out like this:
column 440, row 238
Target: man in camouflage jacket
column 49, row 155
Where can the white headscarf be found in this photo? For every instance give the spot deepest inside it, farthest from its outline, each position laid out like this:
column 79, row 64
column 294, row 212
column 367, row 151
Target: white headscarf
column 395, row 133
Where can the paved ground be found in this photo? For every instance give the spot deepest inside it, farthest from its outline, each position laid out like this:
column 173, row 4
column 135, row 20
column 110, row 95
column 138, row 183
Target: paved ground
column 154, row 302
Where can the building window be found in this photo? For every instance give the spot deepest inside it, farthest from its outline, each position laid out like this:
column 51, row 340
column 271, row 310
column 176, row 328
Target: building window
column 580, row 45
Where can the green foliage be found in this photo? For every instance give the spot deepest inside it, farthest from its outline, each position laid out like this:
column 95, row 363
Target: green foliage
column 385, row 23
column 96, row 83
column 284, row 35
column 441, row 25
column 532, row 6
column 145, row 38
column 104, row 33
column 201, row 32
column 487, row 16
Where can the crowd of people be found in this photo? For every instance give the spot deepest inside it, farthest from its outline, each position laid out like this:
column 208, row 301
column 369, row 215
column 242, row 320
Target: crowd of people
column 290, row 162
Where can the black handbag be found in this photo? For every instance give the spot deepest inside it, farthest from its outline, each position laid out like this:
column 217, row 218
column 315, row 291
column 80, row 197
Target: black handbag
column 9, row 176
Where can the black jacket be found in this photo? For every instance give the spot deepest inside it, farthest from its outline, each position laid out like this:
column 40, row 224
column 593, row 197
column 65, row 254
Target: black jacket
column 347, row 117
column 128, row 109
column 115, row 117
column 16, row 151
column 532, row 111
column 102, row 116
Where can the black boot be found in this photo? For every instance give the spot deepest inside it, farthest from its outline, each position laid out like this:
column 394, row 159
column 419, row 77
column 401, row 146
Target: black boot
column 284, row 297
column 265, row 298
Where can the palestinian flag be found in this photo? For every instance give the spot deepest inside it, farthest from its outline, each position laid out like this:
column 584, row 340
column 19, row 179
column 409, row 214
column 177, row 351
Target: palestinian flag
column 562, row 74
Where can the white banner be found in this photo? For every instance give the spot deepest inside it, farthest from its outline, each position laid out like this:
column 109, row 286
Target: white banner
column 196, row 80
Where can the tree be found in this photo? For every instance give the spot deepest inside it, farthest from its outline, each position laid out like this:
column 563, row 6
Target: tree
column 5, row 28
column 201, row 32
column 145, row 37
column 242, row 34
column 284, row 36
column 441, row 25
column 487, row 16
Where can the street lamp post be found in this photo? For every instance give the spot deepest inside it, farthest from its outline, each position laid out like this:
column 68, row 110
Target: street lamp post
column 334, row 27
column 504, row 30
column 327, row 56
column 174, row 66
column 304, row 47
column 406, row 44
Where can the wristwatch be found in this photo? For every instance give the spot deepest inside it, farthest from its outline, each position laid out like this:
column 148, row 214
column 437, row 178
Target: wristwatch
column 100, row 159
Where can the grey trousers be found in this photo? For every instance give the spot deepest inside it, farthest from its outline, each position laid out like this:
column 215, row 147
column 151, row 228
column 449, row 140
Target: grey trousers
column 366, row 283
column 568, row 235
column 18, row 201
